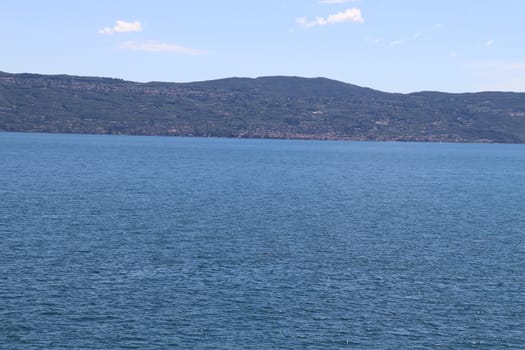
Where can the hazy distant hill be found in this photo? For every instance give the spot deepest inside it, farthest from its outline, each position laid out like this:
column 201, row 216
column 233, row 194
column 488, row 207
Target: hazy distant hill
column 270, row 107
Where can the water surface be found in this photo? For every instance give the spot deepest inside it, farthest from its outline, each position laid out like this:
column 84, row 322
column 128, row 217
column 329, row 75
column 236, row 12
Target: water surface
column 114, row 242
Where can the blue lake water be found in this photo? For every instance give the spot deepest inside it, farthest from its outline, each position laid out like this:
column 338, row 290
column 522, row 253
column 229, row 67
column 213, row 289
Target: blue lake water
column 115, row 242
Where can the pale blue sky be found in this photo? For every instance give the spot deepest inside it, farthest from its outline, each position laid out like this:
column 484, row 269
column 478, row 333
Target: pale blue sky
column 398, row 46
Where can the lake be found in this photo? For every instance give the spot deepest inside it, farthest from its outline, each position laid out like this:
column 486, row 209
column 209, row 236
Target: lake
column 122, row 242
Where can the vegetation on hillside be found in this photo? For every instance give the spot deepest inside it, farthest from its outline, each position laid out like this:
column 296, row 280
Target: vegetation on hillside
column 269, row 107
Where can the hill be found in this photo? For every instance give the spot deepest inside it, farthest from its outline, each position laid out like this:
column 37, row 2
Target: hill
column 267, row 107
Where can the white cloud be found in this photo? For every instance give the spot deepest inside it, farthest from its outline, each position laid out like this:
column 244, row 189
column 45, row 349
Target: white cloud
column 489, row 42
column 335, row 1
column 374, row 41
column 122, row 27
column 155, row 46
column 397, row 42
column 349, row 15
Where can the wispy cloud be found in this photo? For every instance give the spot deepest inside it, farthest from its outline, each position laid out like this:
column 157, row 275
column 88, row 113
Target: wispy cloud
column 489, row 42
column 336, row 1
column 155, row 46
column 397, row 42
column 349, row 15
column 373, row 40
column 122, row 27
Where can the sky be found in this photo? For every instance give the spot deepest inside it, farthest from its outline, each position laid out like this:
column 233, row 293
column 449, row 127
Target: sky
column 395, row 46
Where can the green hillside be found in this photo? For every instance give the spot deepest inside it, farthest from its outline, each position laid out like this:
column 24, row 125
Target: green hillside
column 268, row 107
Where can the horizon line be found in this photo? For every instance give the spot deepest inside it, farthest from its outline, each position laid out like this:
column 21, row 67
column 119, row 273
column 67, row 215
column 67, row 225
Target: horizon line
column 254, row 78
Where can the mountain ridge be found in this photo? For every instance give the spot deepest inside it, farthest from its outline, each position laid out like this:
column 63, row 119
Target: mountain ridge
column 262, row 107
